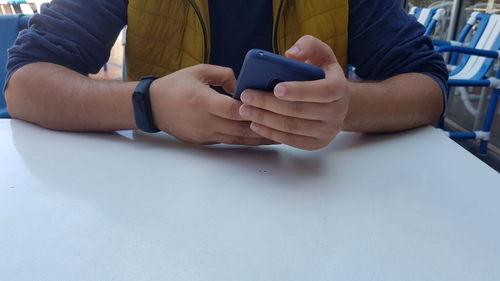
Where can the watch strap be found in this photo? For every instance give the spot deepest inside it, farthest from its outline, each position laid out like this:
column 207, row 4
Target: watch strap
column 141, row 103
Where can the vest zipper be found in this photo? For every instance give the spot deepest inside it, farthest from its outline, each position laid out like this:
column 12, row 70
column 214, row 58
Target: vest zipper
column 206, row 55
column 275, row 29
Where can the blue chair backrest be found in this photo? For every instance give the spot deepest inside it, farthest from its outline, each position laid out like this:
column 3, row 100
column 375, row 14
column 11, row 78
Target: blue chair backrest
column 10, row 25
column 11, row 2
column 428, row 17
column 486, row 37
column 423, row 15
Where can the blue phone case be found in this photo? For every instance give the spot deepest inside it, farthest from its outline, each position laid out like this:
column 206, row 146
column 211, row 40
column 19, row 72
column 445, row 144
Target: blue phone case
column 262, row 70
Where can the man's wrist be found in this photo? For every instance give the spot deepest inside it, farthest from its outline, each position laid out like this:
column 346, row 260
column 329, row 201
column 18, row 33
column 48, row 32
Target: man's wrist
column 141, row 103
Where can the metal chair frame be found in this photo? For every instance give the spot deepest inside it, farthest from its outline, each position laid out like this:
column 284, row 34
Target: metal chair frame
column 475, row 67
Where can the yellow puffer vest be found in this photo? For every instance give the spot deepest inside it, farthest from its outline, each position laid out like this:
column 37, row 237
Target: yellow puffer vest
column 164, row 36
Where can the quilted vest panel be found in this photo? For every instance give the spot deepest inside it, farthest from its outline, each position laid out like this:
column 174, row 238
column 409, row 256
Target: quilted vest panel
column 164, row 36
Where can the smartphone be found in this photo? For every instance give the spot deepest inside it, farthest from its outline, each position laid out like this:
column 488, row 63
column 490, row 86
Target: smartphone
column 262, row 70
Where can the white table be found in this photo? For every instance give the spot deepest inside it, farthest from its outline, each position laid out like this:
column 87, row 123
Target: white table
column 132, row 206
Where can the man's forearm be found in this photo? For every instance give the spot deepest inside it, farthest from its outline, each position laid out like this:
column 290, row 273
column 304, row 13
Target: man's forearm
column 398, row 103
column 58, row 98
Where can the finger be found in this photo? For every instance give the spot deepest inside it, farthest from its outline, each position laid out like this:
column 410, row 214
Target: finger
column 217, row 76
column 302, row 142
column 318, row 91
column 234, row 128
column 267, row 101
column 283, row 123
column 228, row 139
column 224, row 106
column 314, row 51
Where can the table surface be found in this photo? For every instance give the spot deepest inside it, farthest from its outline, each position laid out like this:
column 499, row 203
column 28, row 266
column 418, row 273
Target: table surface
column 133, row 206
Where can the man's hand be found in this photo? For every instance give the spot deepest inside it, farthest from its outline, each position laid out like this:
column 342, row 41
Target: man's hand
column 186, row 107
column 306, row 115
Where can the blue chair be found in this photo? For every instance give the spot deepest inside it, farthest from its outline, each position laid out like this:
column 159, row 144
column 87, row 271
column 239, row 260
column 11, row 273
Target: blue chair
column 475, row 66
column 10, row 25
column 428, row 17
column 6, row 9
column 460, row 41
column 16, row 4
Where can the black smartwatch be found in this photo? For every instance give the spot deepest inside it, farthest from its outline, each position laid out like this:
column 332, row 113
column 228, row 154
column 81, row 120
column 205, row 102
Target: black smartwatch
column 142, row 106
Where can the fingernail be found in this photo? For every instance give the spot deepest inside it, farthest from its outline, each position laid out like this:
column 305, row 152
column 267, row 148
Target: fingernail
column 279, row 91
column 245, row 111
column 255, row 127
column 246, row 97
column 294, row 50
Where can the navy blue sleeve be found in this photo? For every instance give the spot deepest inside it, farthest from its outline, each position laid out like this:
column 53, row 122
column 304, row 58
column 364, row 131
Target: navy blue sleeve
column 385, row 41
column 77, row 34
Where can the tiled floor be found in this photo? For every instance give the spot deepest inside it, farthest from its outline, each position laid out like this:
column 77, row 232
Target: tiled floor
column 458, row 113
column 460, row 119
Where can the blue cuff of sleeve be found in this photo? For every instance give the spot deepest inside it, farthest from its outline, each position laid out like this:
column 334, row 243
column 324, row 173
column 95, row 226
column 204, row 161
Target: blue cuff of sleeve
column 10, row 72
column 444, row 88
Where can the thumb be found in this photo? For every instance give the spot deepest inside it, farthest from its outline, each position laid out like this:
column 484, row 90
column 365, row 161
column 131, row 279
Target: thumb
column 311, row 50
